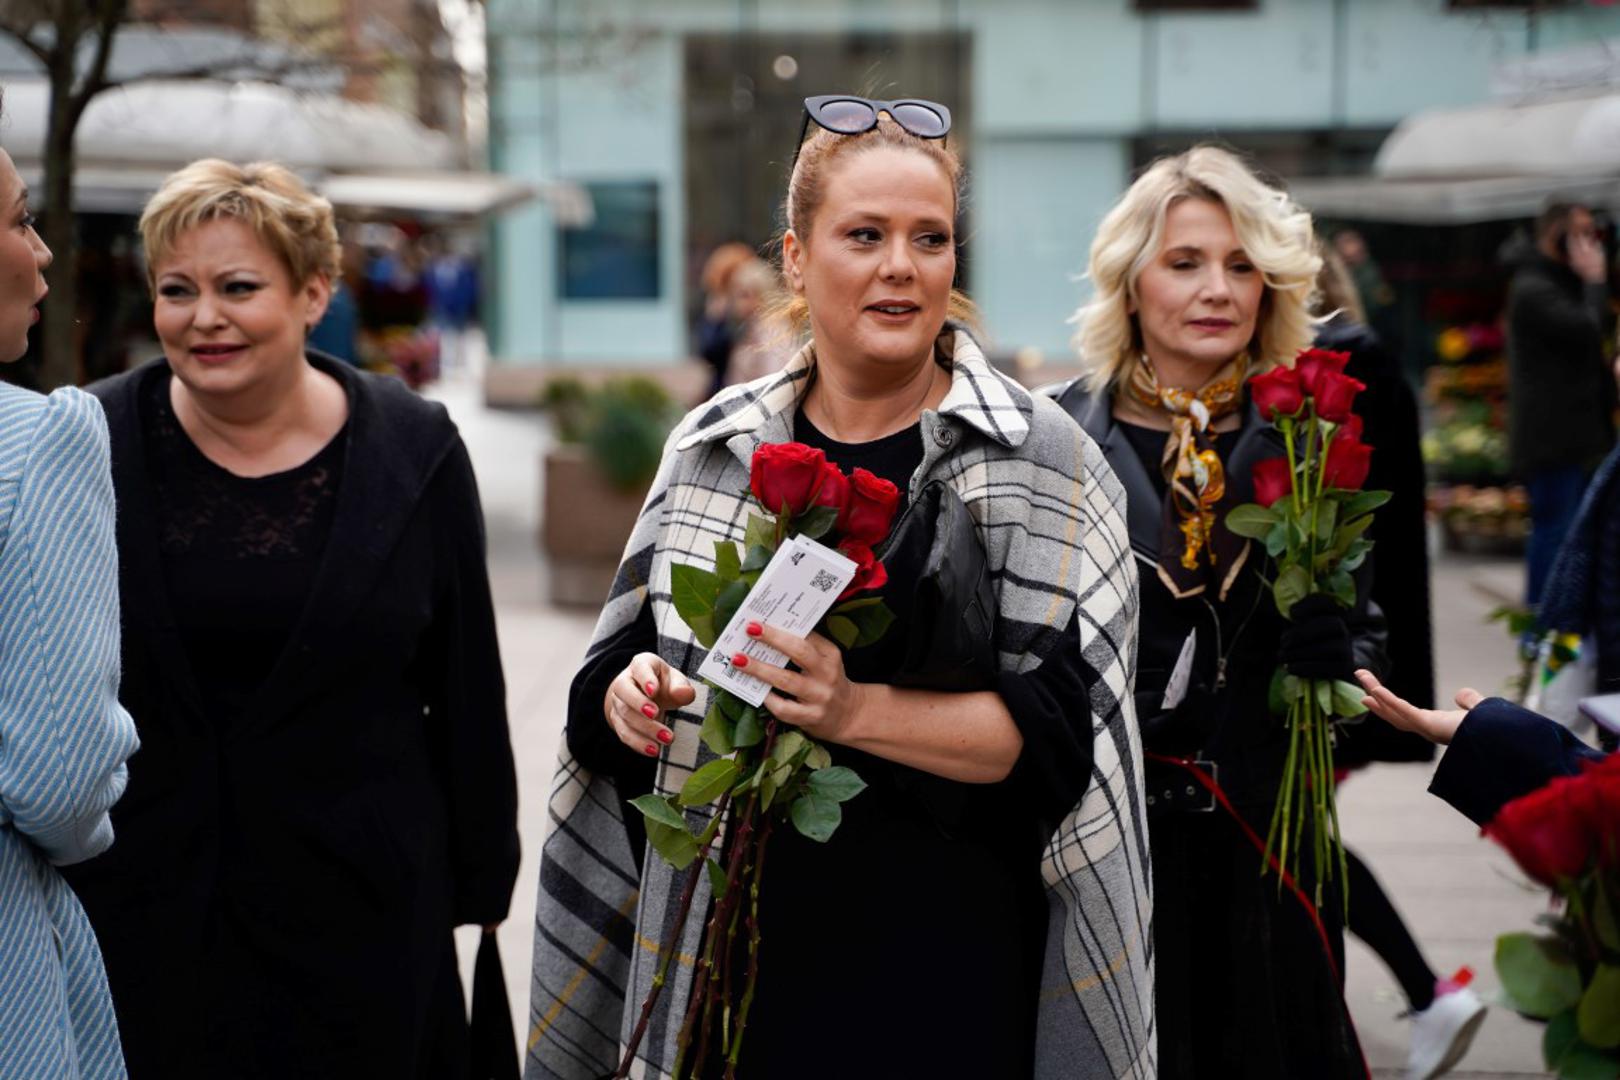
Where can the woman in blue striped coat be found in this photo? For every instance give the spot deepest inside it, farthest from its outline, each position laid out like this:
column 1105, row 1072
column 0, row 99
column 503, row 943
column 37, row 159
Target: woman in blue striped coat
column 63, row 736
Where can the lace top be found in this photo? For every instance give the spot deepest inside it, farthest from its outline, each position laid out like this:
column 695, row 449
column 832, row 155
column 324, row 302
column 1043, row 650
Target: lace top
column 239, row 553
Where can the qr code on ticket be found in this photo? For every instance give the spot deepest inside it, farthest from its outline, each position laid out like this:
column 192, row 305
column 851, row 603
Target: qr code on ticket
column 823, row 581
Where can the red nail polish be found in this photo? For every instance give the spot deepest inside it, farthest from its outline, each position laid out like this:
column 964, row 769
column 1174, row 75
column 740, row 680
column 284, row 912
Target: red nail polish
column 652, row 688
column 739, row 661
column 755, row 629
column 652, row 751
column 649, row 710
column 666, row 736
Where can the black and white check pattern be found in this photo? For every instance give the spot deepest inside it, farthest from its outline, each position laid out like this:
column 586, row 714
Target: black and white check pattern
column 1051, row 517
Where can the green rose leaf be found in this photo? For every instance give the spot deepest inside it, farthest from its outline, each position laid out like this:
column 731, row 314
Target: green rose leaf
column 750, row 732
column 1342, row 587
column 709, row 782
column 761, row 532
column 659, row 810
column 1290, row 588
column 1599, row 1011
column 842, row 630
column 717, row 878
column 727, row 563
column 1327, row 513
column 873, row 622
column 1363, row 502
column 675, row 845
column 716, row 731
column 816, row 817
column 730, row 599
column 1293, row 688
column 836, row 783
column 855, row 605
column 758, row 557
column 816, row 522
column 787, row 744
column 1537, row 974
column 1274, row 692
column 752, row 781
column 1323, row 689
column 703, row 628
column 1348, row 534
column 817, row 758
column 1567, row 1054
column 767, row 791
column 1252, row 520
column 692, row 591
column 1355, row 555
column 1347, row 699
column 1277, row 539
column 732, row 705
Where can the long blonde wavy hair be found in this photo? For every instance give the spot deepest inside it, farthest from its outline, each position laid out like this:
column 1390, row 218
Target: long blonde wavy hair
column 1275, row 234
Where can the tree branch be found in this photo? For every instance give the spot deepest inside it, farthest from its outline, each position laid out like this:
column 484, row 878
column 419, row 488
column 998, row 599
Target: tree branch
column 107, row 20
column 21, row 37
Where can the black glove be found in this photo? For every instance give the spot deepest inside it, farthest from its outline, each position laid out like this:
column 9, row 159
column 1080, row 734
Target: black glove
column 1316, row 644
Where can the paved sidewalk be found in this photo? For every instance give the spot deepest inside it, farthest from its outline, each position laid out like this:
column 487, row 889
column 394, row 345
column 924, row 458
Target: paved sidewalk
column 1456, row 890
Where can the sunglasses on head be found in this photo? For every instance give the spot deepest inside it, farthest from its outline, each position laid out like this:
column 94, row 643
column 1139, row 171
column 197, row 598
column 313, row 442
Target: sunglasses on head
column 844, row 114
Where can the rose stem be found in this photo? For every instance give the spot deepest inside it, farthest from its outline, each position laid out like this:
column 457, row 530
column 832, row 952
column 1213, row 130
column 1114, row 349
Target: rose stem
column 753, row 951
column 706, row 965
column 682, row 912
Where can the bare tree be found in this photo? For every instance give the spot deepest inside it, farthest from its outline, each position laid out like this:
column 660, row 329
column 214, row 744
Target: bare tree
column 59, row 33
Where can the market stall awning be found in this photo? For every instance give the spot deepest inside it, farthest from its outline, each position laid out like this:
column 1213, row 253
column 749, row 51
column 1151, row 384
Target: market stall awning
column 425, row 194
column 1448, row 202
column 1572, row 136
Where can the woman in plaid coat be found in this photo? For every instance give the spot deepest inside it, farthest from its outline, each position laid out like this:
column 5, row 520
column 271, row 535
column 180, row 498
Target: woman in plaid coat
column 984, row 908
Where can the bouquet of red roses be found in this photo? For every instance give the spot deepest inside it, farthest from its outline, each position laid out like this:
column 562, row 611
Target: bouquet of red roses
column 1312, row 516
column 1567, row 837
column 764, row 772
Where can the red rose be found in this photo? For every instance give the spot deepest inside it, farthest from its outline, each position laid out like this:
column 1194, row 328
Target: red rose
column 834, row 487
column 869, row 572
column 869, row 512
column 1603, row 780
column 1335, row 394
column 1277, row 393
column 1549, row 832
column 1351, row 428
column 1348, row 460
column 786, row 474
column 1312, row 364
column 1273, row 480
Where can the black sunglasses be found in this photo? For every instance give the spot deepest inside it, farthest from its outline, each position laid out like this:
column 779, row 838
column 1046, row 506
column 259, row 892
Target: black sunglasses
column 843, row 114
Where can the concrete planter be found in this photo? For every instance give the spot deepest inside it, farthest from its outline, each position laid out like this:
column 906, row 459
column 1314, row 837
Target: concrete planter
column 584, row 526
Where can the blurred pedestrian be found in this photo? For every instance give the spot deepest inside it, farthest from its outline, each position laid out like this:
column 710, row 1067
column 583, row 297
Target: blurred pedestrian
column 763, row 341
column 326, row 788
column 716, row 332
column 1562, row 391
column 1202, row 277
column 63, row 737
column 1377, row 299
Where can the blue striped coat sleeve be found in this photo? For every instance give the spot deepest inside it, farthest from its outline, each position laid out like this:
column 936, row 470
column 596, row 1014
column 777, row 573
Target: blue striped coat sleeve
column 63, row 736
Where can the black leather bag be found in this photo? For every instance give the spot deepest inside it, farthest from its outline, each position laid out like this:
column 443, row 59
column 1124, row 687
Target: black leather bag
column 949, row 621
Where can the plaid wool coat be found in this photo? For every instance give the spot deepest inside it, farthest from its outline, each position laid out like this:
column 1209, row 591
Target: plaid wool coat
column 1050, row 515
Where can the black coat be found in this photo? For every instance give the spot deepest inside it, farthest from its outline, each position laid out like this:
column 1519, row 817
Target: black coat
column 1562, row 391
column 281, row 896
column 1242, row 972
column 1502, row 752
column 1400, row 585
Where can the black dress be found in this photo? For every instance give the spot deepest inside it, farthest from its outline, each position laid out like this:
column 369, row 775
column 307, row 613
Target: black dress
column 325, row 786
column 910, row 944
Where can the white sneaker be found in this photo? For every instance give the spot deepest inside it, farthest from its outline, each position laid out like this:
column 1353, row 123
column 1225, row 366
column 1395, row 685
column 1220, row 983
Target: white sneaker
column 1441, row 1034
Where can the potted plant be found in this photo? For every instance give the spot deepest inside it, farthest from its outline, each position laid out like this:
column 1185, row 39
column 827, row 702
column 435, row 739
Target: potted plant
column 609, row 440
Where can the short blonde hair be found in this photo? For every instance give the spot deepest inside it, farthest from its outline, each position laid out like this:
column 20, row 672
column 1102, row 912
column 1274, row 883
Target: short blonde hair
column 1275, row 234
column 297, row 225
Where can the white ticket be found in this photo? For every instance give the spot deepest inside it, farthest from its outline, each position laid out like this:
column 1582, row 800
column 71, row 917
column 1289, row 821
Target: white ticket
column 798, row 586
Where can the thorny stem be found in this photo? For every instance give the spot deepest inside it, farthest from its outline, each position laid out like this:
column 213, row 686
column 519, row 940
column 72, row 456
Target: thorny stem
column 705, row 966
column 753, row 951
column 667, row 953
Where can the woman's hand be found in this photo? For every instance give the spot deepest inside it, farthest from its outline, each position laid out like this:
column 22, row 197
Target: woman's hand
column 1436, row 725
column 638, row 699
column 818, row 697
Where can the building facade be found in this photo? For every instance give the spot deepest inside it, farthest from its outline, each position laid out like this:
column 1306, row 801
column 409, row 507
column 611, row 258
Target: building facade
column 679, row 119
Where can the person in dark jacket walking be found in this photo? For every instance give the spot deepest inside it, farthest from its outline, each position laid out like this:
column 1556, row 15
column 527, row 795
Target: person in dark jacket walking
column 1562, row 391
column 326, row 786
column 1203, row 276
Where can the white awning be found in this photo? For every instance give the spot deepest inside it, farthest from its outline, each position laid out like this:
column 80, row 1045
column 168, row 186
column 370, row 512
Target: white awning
column 427, row 194
column 1575, row 136
column 1449, row 202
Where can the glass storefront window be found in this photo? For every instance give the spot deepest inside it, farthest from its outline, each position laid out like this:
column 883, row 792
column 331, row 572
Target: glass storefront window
column 615, row 257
